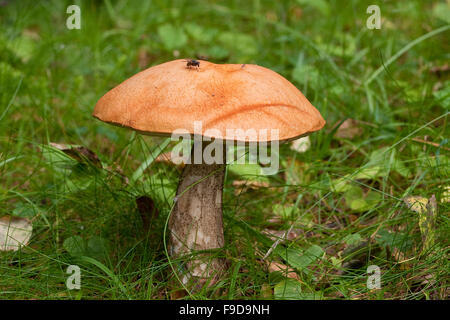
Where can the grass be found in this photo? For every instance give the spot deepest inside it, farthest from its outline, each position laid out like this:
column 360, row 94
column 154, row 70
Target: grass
column 343, row 199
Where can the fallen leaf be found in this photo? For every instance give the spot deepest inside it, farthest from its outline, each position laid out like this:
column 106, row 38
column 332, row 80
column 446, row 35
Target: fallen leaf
column 32, row 33
column 166, row 157
column 242, row 185
column 266, row 291
column 178, row 294
column 301, row 145
column 14, row 233
column 78, row 153
column 300, row 260
column 284, row 269
column 440, row 69
column 349, row 129
column 416, row 203
column 250, row 184
column 353, row 239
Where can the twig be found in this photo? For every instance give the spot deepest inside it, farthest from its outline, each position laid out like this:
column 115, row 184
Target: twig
column 434, row 144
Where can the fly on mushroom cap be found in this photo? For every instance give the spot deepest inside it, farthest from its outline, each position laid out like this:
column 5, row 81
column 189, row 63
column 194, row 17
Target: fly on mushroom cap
column 192, row 63
column 226, row 97
column 169, row 96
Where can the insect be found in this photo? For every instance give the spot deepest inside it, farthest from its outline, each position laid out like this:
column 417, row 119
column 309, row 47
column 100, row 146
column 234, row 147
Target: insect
column 192, row 63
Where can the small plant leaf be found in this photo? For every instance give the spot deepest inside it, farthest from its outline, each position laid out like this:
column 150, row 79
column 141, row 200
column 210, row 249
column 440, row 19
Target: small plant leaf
column 286, row 212
column 353, row 239
column 290, row 289
column 75, row 246
column 97, row 248
column 442, row 11
column 300, row 260
column 250, row 171
column 358, row 202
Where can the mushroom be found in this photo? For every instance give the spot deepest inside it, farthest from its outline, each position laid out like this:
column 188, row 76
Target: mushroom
column 212, row 102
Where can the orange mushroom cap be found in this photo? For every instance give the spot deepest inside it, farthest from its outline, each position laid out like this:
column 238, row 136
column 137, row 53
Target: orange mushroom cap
column 224, row 97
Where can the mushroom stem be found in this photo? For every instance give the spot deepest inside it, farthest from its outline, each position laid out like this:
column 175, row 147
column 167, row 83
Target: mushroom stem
column 196, row 220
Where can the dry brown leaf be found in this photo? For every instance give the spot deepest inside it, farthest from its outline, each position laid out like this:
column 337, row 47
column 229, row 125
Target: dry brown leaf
column 242, row 185
column 440, row 69
column 178, row 294
column 147, row 210
column 349, row 129
column 416, row 203
column 32, row 33
column 117, row 170
column 285, row 270
column 78, row 153
column 266, row 291
column 166, row 157
column 250, row 184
